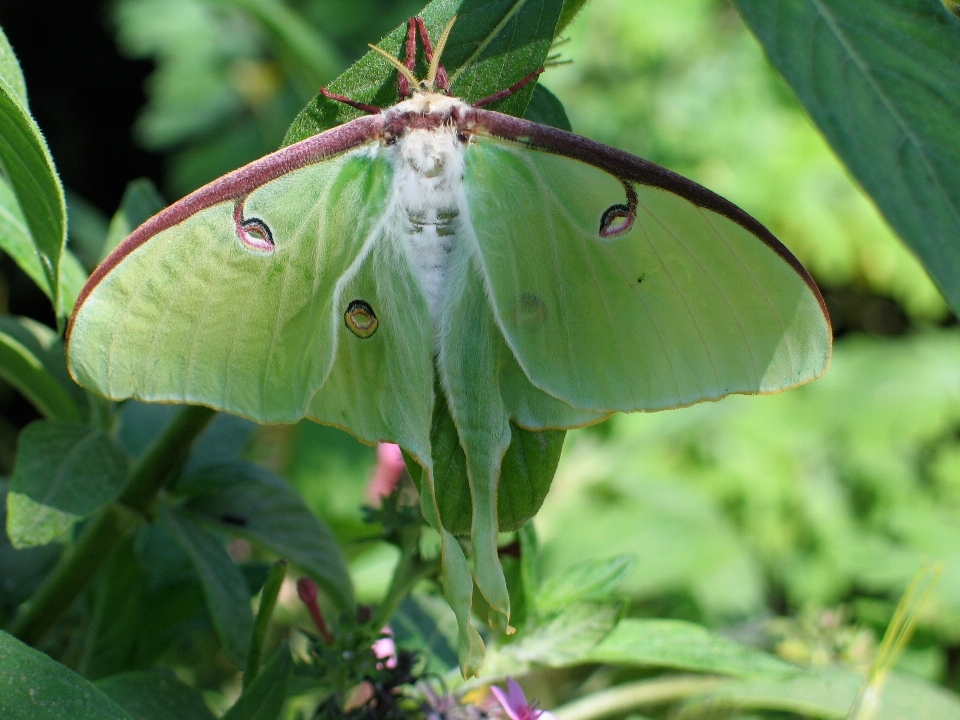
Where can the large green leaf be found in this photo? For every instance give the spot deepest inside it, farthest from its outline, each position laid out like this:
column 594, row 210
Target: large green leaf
column 117, row 620
column 35, row 687
column 28, row 167
column 247, row 500
column 225, row 590
column 10, row 73
column 494, row 44
column 32, row 360
column 567, row 638
column 64, row 471
column 880, row 82
column 684, row 646
column 590, row 580
column 152, row 695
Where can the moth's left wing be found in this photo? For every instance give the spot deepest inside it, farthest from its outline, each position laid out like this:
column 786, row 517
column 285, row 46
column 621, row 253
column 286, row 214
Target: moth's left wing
column 235, row 297
column 620, row 285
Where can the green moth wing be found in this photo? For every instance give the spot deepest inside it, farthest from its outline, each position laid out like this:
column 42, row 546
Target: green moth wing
column 620, row 286
column 242, row 297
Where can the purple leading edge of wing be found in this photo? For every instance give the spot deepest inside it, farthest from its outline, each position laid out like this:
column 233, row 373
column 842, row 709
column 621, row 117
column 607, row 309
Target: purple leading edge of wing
column 627, row 167
column 237, row 184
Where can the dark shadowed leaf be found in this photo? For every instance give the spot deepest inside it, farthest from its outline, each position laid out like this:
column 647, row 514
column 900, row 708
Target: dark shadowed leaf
column 155, row 695
column 118, row 615
column 250, row 501
column 263, row 700
column 525, row 473
column 23, row 570
column 64, row 471
column 545, row 108
column 224, row 587
column 32, row 360
column 35, row 687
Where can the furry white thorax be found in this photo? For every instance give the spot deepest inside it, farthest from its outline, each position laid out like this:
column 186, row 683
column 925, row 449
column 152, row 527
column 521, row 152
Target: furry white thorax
column 428, row 175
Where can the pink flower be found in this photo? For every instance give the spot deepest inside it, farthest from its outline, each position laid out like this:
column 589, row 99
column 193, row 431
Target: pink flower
column 515, row 703
column 386, row 650
column 390, row 467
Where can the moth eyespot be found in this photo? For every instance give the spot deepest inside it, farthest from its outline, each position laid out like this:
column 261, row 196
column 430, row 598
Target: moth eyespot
column 531, row 310
column 616, row 220
column 255, row 234
column 360, row 319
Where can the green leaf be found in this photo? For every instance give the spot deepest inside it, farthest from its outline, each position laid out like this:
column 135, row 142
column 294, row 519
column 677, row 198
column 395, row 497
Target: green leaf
column 140, row 200
column 493, row 45
column 23, row 570
column 828, row 693
column 263, row 700
column 15, row 238
column 224, row 588
column 10, row 73
column 155, row 695
column 250, row 501
column 36, row 687
column 525, row 473
column 64, row 471
column 545, row 108
column 589, row 580
column 684, row 646
column 32, row 360
column 27, row 165
column 880, row 82
column 567, row 638
column 116, row 621
column 426, row 624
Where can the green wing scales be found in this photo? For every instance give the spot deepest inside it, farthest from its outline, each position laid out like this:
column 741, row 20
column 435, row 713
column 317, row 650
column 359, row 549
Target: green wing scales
column 683, row 304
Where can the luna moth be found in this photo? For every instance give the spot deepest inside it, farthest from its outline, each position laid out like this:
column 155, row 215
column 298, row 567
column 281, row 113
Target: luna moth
column 526, row 273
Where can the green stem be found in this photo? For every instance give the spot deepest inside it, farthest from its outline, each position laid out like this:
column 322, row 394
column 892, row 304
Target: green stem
column 622, row 699
column 268, row 600
column 410, row 570
column 166, row 454
column 109, row 527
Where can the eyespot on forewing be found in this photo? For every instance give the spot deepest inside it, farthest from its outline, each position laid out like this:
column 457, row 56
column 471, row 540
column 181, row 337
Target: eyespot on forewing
column 360, row 319
column 531, row 310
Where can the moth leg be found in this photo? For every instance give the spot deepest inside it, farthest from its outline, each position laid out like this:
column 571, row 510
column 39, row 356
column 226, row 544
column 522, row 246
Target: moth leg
column 509, row 91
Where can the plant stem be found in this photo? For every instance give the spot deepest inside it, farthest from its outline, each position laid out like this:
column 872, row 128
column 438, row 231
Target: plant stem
column 109, row 527
column 410, row 570
column 166, row 453
column 622, row 699
column 268, row 600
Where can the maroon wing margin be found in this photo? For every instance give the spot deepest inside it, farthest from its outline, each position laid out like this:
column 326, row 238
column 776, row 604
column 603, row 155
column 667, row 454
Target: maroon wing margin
column 236, row 184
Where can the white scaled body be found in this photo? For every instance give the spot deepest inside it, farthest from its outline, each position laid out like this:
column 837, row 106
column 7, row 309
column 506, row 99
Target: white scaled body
column 428, row 197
